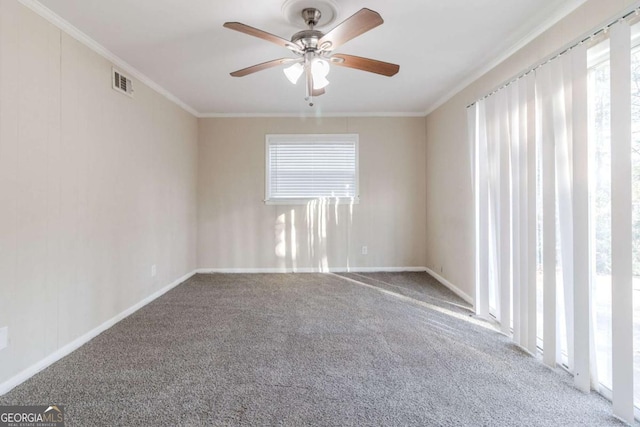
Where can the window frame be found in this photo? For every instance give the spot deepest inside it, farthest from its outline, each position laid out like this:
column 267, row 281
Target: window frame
column 347, row 138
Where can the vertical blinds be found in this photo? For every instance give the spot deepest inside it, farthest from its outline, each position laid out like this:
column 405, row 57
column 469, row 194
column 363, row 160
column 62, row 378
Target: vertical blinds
column 535, row 256
column 621, row 229
column 307, row 166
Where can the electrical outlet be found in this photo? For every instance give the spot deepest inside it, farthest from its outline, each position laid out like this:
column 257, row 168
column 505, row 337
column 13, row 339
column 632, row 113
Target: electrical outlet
column 365, row 250
column 4, row 337
column 153, row 270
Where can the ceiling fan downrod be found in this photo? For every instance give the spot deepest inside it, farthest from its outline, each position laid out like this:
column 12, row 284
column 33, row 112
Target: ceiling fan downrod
column 308, row 39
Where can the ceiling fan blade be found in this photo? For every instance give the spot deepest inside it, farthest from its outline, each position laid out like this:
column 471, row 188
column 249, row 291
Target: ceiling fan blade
column 366, row 64
column 263, row 66
column 359, row 23
column 317, row 92
column 237, row 26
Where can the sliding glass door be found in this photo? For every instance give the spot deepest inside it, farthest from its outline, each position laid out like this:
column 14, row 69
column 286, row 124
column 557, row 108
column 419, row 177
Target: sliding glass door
column 558, row 206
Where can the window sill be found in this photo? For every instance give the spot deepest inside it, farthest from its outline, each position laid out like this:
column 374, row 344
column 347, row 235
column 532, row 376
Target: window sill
column 318, row 201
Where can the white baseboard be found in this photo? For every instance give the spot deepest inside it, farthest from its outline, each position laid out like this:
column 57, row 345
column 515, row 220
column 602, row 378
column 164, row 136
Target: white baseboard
column 311, row 270
column 452, row 287
column 78, row 342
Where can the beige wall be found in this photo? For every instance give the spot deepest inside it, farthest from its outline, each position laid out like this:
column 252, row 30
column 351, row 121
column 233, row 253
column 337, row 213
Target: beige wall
column 237, row 230
column 450, row 219
column 95, row 187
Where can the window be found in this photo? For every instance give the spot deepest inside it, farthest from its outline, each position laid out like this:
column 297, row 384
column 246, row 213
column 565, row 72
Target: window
column 304, row 167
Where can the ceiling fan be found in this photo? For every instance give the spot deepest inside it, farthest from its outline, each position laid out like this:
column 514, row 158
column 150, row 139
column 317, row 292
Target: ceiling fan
column 314, row 50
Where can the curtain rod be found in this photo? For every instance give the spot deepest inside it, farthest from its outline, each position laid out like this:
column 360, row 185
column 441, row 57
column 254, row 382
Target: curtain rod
column 591, row 35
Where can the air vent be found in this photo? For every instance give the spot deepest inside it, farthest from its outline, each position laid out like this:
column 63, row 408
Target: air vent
column 122, row 83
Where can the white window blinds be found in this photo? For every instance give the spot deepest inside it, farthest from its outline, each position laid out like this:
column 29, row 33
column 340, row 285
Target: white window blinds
column 302, row 167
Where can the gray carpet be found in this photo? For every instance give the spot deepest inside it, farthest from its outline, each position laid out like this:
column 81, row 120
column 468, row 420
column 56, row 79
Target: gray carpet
column 308, row 349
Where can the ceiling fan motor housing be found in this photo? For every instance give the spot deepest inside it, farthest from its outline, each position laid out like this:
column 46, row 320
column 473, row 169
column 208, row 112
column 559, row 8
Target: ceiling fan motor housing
column 307, row 38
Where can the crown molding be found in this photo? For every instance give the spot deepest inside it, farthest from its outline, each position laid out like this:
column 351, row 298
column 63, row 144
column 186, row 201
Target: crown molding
column 127, row 68
column 309, row 116
column 565, row 10
column 83, row 38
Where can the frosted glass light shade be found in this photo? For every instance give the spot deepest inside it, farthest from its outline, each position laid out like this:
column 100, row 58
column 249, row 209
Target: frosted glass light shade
column 319, row 71
column 294, row 72
column 320, row 82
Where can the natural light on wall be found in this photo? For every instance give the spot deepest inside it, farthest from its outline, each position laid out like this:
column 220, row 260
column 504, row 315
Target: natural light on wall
column 557, row 174
column 318, row 175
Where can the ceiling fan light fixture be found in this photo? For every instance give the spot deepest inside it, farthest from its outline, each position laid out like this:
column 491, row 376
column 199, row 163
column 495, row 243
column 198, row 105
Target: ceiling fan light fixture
column 315, row 49
column 320, row 83
column 294, row 72
column 319, row 70
column 319, row 67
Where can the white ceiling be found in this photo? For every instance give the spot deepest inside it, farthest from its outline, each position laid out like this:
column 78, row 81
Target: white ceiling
column 182, row 46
